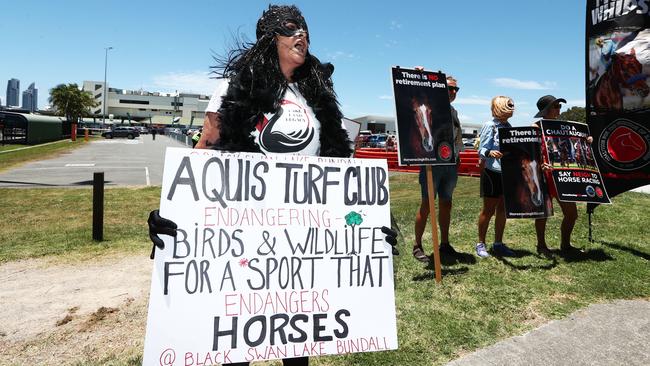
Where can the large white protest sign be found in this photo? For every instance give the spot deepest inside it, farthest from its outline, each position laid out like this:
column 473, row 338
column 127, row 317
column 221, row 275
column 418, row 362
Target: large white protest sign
column 276, row 257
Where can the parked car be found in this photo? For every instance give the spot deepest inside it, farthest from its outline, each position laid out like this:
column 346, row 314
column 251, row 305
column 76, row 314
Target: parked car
column 142, row 129
column 468, row 142
column 126, row 131
column 377, row 141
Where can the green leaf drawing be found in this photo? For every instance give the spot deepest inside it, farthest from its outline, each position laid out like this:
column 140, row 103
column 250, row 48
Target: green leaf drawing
column 353, row 219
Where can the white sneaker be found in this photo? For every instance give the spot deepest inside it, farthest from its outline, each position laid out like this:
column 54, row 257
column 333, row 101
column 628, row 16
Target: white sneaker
column 481, row 250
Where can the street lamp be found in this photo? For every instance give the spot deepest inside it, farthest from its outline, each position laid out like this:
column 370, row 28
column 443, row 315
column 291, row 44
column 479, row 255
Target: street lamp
column 104, row 108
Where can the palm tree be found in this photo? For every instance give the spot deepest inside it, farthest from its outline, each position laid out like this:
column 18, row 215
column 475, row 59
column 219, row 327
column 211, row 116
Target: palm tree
column 72, row 102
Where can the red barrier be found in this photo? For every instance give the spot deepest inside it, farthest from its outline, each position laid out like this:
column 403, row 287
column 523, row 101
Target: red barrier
column 469, row 161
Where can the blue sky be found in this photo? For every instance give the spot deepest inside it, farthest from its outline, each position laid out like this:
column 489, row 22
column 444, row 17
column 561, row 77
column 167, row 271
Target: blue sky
column 522, row 49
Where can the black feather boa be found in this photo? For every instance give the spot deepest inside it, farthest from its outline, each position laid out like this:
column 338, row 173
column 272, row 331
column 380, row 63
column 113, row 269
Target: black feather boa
column 250, row 96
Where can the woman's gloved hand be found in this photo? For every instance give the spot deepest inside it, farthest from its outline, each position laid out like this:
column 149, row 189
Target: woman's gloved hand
column 391, row 238
column 159, row 226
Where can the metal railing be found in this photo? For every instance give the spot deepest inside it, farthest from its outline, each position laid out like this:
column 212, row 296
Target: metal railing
column 180, row 137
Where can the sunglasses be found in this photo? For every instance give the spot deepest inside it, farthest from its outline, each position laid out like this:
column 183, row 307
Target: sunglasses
column 453, row 88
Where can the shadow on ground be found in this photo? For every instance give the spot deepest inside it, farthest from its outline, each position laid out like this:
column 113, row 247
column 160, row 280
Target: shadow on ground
column 632, row 251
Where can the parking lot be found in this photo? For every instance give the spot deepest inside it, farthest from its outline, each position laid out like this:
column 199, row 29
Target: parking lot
column 136, row 162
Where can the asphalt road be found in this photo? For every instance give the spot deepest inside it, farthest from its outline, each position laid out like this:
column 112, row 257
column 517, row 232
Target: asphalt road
column 137, row 162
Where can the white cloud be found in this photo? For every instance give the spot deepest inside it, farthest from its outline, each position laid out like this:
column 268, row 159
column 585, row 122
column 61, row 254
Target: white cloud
column 390, row 43
column 386, row 97
column 394, row 24
column 523, row 84
column 199, row 82
column 472, row 101
column 341, row 54
column 576, row 102
column 465, row 118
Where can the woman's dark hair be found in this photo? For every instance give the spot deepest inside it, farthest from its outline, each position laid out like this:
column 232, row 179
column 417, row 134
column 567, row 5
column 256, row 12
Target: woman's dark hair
column 257, row 85
column 256, row 68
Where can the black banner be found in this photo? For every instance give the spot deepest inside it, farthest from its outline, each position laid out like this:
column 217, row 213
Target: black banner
column 575, row 172
column 618, row 100
column 424, row 127
column 524, row 188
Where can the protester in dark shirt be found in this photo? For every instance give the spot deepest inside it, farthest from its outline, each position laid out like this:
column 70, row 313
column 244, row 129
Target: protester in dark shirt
column 248, row 107
column 445, row 178
column 549, row 108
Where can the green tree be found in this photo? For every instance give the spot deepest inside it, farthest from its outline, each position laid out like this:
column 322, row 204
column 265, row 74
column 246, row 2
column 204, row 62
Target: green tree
column 578, row 114
column 71, row 102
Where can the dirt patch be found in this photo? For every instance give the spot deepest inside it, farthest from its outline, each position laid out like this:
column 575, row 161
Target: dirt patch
column 67, row 319
column 532, row 316
column 97, row 317
column 65, row 313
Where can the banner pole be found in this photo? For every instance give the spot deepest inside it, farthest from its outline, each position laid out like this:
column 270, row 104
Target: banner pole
column 590, row 211
column 434, row 223
column 591, row 240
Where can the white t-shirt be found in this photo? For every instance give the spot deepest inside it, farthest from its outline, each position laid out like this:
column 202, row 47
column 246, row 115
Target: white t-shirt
column 293, row 129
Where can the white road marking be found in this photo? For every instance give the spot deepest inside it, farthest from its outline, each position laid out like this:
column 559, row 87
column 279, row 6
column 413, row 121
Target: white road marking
column 146, row 173
column 81, row 164
column 96, row 167
column 125, row 142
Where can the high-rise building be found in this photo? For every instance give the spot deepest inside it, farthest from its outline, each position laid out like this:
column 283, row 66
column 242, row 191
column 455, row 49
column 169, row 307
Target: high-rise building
column 13, row 93
column 30, row 98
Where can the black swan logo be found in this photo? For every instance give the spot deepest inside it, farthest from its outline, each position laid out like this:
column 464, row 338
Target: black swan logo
column 280, row 142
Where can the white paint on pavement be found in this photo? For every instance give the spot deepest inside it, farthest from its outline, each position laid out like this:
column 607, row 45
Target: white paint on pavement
column 146, row 172
column 99, row 167
column 125, row 142
column 80, row 164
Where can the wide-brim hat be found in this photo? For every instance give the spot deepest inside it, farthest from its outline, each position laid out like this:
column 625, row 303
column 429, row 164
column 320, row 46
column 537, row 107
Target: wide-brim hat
column 545, row 103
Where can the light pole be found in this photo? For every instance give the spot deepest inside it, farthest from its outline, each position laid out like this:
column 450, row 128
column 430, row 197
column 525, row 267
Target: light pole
column 104, row 108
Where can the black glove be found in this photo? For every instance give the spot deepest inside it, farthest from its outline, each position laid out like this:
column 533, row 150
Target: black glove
column 159, row 225
column 391, row 238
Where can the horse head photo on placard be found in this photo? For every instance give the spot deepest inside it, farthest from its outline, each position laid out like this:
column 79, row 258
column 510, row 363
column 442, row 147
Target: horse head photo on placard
column 531, row 172
column 422, row 117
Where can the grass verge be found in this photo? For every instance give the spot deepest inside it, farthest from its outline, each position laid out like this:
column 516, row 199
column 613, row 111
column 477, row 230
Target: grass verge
column 10, row 159
column 58, row 222
column 11, row 147
column 479, row 302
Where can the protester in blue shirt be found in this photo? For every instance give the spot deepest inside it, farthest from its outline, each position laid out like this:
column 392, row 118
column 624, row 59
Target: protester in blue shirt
column 491, row 186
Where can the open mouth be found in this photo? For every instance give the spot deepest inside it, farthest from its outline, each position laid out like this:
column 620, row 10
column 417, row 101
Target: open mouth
column 300, row 46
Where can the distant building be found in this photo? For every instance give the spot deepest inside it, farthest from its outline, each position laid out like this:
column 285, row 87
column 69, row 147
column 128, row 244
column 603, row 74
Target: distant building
column 377, row 124
column 13, row 93
column 30, row 98
column 384, row 124
column 140, row 105
column 470, row 129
